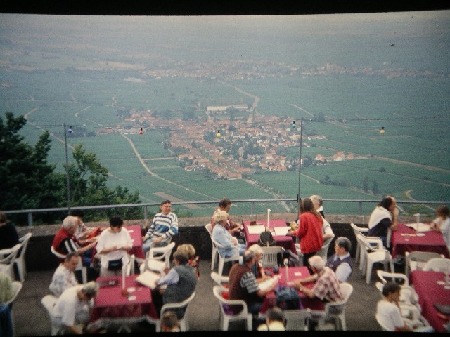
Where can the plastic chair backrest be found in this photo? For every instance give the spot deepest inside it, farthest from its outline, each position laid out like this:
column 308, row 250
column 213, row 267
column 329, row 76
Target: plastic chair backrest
column 270, row 255
column 297, row 320
column 16, row 287
column 441, row 264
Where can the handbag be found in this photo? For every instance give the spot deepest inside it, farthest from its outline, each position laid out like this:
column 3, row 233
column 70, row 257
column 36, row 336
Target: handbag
column 287, row 298
column 114, row 265
column 266, row 239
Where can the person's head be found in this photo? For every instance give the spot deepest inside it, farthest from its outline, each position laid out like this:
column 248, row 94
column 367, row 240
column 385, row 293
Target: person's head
column 3, row 217
column 249, row 257
column 169, row 322
column 388, row 202
column 70, row 223
column 71, row 261
column 115, row 224
column 391, row 291
column 79, row 214
column 316, row 263
column 442, row 212
column 180, row 257
column 342, row 246
column 225, row 204
column 316, row 200
column 88, row 291
column 188, row 249
column 275, row 314
column 257, row 250
column 220, row 217
column 307, row 205
column 165, row 206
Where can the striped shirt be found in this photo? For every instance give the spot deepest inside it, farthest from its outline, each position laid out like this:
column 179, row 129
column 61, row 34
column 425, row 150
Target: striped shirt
column 163, row 225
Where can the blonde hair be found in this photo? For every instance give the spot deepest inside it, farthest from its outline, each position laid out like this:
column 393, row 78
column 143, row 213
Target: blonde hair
column 255, row 248
column 187, row 249
column 70, row 221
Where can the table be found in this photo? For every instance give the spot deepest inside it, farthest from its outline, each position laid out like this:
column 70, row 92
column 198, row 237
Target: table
column 430, row 291
column 404, row 239
column 136, row 237
column 286, row 241
column 294, row 273
column 109, row 303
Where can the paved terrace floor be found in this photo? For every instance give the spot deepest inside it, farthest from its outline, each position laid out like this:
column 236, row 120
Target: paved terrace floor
column 31, row 319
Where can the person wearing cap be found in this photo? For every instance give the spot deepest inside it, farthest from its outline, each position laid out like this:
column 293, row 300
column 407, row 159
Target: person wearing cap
column 341, row 262
column 242, row 285
column 70, row 313
column 229, row 245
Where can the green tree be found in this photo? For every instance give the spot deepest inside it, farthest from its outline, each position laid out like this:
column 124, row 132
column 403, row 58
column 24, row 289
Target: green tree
column 27, row 180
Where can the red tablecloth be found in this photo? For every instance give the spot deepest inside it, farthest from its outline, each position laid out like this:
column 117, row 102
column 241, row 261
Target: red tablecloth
column 109, row 302
column 294, row 273
column 430, row 292
column 432, row 241
column 283, row 240
column 136, row 237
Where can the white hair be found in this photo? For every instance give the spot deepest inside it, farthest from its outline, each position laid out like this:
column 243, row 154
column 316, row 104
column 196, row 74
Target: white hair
column 316, row 262
column 255, row 248
column 70, row 221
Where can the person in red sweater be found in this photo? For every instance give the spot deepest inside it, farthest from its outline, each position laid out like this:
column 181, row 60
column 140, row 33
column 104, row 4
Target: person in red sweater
column 309, row 231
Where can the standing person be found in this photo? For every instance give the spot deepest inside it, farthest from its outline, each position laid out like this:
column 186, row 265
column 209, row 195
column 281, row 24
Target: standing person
column 70, row 313
column 309, row 231
column 388, row 311
column 113, row 246
column 326, row 286
column 318, row 203
column 242, row 285
column 442, row 223
column 8, row 233
column 164, row 226
column 326, row 227
column 65, row 241
column 64, row 276
column 383, row 218
column 181, row 281
column 341, row 262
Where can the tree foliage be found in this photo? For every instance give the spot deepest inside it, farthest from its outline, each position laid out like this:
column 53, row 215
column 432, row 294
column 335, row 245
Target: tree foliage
column 28, row 181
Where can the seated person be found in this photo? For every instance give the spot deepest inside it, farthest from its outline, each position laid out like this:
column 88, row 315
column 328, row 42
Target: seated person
column 242, row 285
column 177, row 285
column 164, row 226
column 113, row 246
column 8, row 233
column 65, row 241
column 169, row 322
column 341, row 262
column 71, row 311
column 233, row 228
column 388, row 311
column 275, row 320
column 383, row 218
column 6, row 294
column 193, row 260
column 64, row 276
column 229, row 245
column 326, row 286
column 442, row 223
column 257, row 268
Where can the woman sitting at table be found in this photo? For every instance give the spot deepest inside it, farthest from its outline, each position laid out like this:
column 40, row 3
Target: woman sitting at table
column 442, row 223
column 229, row 245
column 383, row 218
column 257, row 268
column 113, row 245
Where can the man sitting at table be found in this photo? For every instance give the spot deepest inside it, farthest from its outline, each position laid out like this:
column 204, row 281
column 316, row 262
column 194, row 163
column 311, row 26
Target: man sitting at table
column 181, row 281
column 64, row 276
column 383, row 218
column 326, row 286
column 242, row 285
column 71, row 311
column 341, row 262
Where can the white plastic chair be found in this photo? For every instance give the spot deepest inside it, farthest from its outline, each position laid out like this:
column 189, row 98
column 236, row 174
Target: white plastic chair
column 225, row 315
column 335, row 311
column 407, row 293
column 297, row 320
column 79, row 267
column 160, row 254
column 184, row 323
column 219, row 279
column 19, row 261
column 358, row 230
column 374, row 255
column 7, row 258
column 415, row 260
column 270, row 255
column 441, row 264
column 48, row 302
column 214, row 251
column 223, row 260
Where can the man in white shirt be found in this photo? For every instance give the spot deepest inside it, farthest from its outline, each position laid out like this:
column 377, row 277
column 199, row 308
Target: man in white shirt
column 64, row 276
